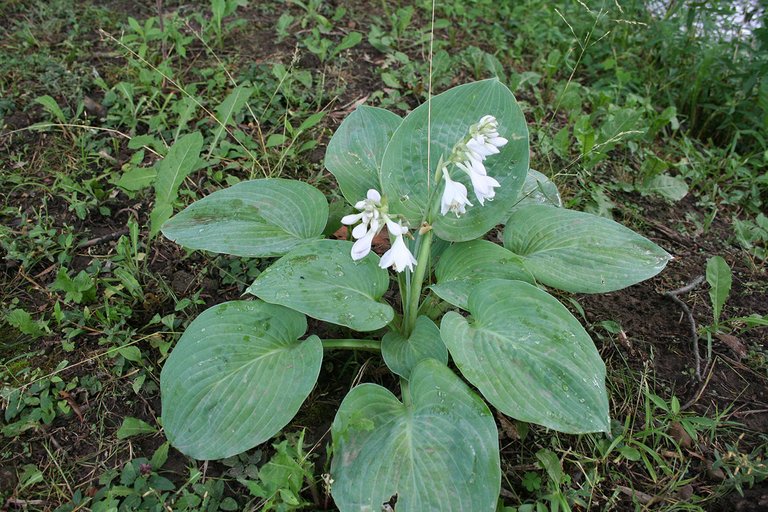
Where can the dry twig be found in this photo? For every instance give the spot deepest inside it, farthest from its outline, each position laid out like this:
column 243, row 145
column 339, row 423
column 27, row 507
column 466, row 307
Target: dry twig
column 104, row 238
column 694, row 333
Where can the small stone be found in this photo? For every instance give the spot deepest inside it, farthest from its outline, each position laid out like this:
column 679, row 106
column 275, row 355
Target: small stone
column 680, row 435
column 715, row 474
column 685, row 492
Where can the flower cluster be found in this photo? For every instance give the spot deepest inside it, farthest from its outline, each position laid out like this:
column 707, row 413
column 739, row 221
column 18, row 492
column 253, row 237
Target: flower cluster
column 468, row 155
column 373, row 217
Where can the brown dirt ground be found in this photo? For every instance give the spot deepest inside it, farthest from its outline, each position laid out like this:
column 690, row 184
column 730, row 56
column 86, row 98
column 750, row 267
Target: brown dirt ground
column 656, row 334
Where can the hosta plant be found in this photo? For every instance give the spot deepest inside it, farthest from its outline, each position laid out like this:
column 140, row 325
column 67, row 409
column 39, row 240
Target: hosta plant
column 437, row 182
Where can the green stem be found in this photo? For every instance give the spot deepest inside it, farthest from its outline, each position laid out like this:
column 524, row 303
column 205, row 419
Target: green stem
column 352, row 344
column 405, row 391
column 402, row 284
column 411, row 309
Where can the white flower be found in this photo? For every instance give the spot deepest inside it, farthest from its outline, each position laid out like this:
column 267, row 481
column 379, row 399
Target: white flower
column 373, row 195
column 373, row 218
column 395, row 228
column 362, row 247
column 472, row 167
column 454, row 196
column 488, row 121
column 468, row 155
column 398, row 256
column 488, row 128
column 373, row 200
column 360, row 230
column 496, row 140
column 352, row 218
column 483, row 186
column 481, row 147
column 485, row 135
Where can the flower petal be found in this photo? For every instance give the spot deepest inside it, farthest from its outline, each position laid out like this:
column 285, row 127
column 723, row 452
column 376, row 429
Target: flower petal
column 497, row 141
column 479, row 146
column 395, row 228
column 487, row 120
column 374, row 195
column 359, row 231
column 454, row 196
column 362, row 247
column 348, row 220
column 483, row 186
column 472, row 167
column 387, row 259
column 398, row 256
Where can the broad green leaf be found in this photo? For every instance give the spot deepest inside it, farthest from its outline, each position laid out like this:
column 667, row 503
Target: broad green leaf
column 440, row 452
column 409, row 165
column 719, row 279
column 159, row 214
column 276, row 139
column 137, row 178
column 673, row 188
column 550, row 462
column 131, row 353
column 160, row 483
column 538, row 189
column 147, row 141
column 336, row 211
column 350, row 40
column 579, row 252
column 466, row 264
column 320, row 279
column 403, row 354
column 529, row 357
column 257, row 218
column 160, row 456
column 310, row 122
column 80, row 289
column 30, row 475
column 134, row 427
column 231, row 106
column 182, row 159
column 24, row 322
column 236, row 377
column 355, row 151
column 52, row 106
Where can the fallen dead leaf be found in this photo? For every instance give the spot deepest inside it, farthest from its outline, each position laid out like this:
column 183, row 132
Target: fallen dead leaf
column 680, row 435
column 71, row 401
column 715, row 474
column 642, row 497
column 735, row 344
column 508, row 428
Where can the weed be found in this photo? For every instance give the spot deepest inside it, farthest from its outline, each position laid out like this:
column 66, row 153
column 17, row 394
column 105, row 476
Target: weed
column 740, row 468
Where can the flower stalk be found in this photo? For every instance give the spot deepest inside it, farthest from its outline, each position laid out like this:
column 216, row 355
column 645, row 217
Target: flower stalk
column 411, row 306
